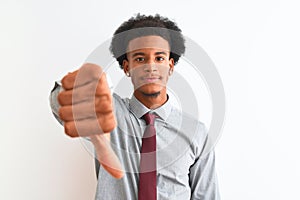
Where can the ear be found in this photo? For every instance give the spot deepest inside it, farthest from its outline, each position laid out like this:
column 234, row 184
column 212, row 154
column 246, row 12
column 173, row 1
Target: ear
column 171, row 64
column 125, row 65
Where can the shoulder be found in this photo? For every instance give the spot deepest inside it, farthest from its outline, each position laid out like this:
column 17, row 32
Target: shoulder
column 119, row 102
column 121, row 107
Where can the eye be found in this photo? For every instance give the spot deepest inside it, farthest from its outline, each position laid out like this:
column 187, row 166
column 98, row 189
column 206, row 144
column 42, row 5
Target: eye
column 140, row 59
column 160, row 58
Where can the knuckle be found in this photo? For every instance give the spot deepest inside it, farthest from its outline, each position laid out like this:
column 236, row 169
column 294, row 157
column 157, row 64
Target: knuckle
column 68, row 80
column 107, row 122
column 65, row 82
column 67, row 126
column 64, row 98
column 65, row 113
column 60, row 98
column 103, row 78
column 69, row 129
column 91, row 70
column 102, row 89
column 103, row 104
column 61, row 113
column 91, row 88
column 77, row 95
column 83, row 93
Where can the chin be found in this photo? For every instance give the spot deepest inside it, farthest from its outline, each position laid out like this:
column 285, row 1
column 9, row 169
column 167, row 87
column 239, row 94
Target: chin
column 150, row 89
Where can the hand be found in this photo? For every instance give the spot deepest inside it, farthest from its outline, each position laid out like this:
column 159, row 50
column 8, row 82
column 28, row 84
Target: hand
column 87, row 111
column 86, row 102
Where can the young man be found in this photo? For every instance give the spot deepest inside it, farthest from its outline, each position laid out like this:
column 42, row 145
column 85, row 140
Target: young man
column 158, row 146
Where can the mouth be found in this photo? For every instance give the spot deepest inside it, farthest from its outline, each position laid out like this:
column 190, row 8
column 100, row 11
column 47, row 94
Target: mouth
column 151, row 79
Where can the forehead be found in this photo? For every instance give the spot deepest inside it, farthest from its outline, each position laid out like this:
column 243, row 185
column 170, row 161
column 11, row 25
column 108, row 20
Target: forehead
column 148, row 42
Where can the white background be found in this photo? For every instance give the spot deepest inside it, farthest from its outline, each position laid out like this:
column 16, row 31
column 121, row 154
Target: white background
column 254, row 44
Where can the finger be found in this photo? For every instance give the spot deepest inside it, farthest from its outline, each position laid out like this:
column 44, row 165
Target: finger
column 68, row 80
column 102, row 87
column 79, row 111
column 86, row 109
column 108, row 158
column 103, row 124
column 87, row 73
column 83, row 93
column 103, row 103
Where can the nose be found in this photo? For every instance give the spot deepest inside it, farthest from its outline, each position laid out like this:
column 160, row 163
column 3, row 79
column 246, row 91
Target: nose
column 150, row 67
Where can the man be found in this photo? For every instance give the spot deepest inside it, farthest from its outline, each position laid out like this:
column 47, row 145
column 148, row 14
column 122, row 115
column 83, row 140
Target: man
column 157, row 149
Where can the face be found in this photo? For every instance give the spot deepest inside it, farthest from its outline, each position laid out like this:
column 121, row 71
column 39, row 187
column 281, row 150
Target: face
column 148, row 64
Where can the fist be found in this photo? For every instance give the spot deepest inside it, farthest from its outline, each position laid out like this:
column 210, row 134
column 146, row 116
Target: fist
column 86, row 102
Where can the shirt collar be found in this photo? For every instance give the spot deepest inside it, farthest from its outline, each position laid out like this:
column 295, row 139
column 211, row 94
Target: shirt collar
column 139, row 109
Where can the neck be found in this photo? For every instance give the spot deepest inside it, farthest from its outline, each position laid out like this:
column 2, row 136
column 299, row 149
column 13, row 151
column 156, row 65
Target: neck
column 152, row 101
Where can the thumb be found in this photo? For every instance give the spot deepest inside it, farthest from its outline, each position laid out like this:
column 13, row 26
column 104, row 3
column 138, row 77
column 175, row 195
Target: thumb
column 106, row 156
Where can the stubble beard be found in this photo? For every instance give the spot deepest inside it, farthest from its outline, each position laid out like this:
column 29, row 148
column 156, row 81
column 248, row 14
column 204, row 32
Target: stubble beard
column 152, row 95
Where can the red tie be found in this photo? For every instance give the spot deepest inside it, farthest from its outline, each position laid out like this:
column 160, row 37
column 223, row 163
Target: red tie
column 147, row 184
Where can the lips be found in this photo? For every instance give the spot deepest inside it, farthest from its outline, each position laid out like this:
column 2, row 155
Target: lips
column 151, row 79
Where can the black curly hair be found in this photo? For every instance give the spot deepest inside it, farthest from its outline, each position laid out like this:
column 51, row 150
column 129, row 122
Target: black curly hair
column 142, row 25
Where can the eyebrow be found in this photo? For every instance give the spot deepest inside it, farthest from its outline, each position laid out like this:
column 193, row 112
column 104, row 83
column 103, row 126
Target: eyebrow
column 143, row 54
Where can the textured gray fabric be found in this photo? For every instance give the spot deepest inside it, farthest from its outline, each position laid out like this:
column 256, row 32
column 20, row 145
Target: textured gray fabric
column 182, row 171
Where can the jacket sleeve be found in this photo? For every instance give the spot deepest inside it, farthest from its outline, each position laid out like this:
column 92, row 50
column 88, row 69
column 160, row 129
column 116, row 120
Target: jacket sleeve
column 54, row 102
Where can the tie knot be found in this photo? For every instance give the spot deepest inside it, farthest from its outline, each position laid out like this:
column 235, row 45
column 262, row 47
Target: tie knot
column 149, row 118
